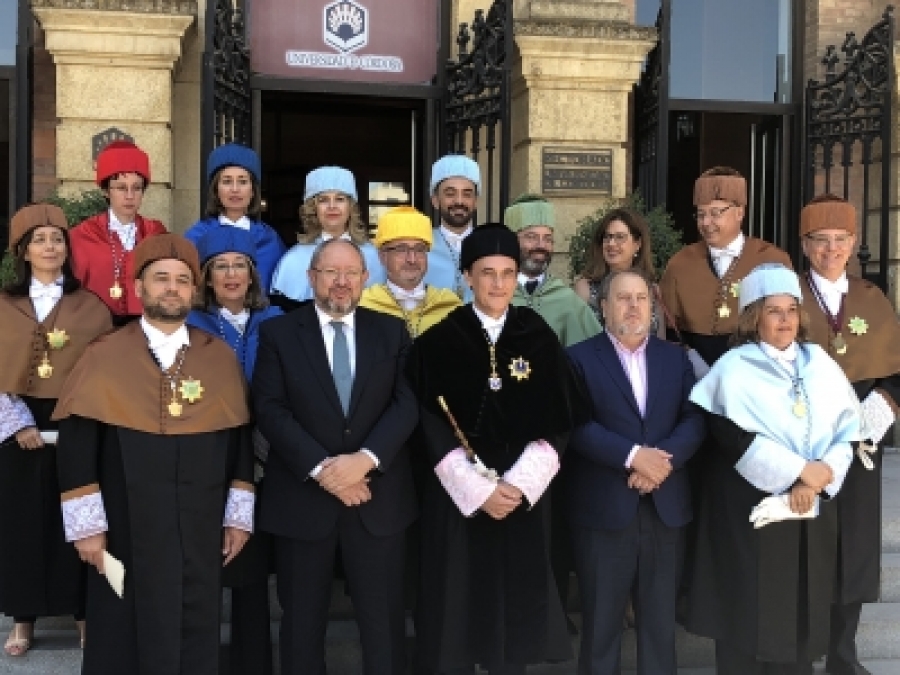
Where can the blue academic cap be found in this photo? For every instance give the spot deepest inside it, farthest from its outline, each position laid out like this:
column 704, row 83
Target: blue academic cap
column 330, row 179
column 455, row 166
column 233, row 154
column 768, row 279
column 226, row 239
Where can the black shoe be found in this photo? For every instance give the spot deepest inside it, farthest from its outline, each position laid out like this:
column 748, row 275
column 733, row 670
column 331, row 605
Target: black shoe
column 835, row 667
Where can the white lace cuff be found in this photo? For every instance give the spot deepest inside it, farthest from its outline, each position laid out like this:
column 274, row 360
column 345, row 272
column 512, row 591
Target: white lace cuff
column 877, row 417
column 769, row 466
column 14, row 416
column 468, row 489
column 533, row 471
column 84, row 516
column 239, row 509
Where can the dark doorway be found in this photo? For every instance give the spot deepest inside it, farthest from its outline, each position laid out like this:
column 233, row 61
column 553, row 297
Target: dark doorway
column 380, row 140
column 752, row 143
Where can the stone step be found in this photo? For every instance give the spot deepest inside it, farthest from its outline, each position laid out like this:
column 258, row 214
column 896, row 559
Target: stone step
column 890, row 577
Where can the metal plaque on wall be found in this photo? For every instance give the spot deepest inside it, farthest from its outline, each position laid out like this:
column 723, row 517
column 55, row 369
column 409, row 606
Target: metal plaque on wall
column 576, row 170
column 393, row 41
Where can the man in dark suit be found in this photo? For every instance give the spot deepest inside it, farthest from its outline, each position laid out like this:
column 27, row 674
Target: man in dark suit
column 630, row 497
column 331, row 399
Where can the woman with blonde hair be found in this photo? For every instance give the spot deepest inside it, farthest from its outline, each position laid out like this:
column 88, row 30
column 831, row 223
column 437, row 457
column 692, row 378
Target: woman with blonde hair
column 330, row 209
column 620, row 242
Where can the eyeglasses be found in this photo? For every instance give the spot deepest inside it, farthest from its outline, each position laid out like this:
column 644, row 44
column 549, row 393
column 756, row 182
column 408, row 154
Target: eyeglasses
column 838, row 241
column 534, row 238
column 618, row 237
column 331, row 275
column 403, row 250
column 714, row 214
column 225, row 268
column 127, row 189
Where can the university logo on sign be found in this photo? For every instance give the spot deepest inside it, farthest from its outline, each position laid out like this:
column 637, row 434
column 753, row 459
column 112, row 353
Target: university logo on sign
column 346, row 26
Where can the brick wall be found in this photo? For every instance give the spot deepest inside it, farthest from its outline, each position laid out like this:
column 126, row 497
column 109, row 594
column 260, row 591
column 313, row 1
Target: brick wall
column 828, row 22
column 44, row 121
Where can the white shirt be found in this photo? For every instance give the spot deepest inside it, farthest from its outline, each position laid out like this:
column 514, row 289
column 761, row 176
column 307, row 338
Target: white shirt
column 722, row 257
column 326, row 237
column 832, row 292
column 243, row 222
column 238, row 321
column 349, row 322
column 127, row 232
column 523, row 279
column 784, row 357
column 164, row 346
column 455, row 240
column 409, row 300
column 45, row 296
column 634, row 363
column 491, row 325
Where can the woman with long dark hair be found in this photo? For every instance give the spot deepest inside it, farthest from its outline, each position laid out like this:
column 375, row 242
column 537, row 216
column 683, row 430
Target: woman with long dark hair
column 48, row 320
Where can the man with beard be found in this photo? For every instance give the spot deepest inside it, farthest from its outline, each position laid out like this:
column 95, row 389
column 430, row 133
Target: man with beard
column 331, row 399
column 155, row 467
column 629, row 491
column 569, row 316
column 702, row 281
column 403, row 241
column 455, row 184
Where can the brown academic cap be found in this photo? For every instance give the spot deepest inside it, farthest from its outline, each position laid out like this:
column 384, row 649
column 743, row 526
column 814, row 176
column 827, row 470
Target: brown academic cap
column 715, row 184
column 36, row 215
column 827, row 212
column 167, row 246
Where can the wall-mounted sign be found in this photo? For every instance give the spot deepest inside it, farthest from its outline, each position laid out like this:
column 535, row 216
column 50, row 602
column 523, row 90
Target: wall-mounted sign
column 567, row 170
column 346, row 40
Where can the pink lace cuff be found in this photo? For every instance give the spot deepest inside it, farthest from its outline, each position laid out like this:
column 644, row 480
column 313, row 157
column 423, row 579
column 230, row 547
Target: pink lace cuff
column 14, row 416
column 84, row 516
column 533, row 471
column 466, row 487
column 239, row 509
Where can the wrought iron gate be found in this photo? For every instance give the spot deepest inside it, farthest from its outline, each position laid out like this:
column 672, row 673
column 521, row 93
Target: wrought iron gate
column 651, row 98
column 848, row 129
column 226, row 105
column 477, row 101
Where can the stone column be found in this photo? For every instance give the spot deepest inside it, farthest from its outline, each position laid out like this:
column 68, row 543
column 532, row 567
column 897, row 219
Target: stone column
column 114, row 69
column 577, row 63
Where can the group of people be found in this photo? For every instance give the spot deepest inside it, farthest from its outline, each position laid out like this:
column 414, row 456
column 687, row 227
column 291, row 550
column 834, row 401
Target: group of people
column 439, row 411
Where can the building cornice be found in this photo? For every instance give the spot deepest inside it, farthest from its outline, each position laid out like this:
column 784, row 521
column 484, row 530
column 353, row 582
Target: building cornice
column 176, row 7
column 607, row 30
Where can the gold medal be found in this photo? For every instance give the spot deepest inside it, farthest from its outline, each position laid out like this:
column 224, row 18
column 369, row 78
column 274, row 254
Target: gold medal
column 191, row 390
column 45, row 370
column 799, row 408
column 520, row 369
column 116, row 291
column 57, row 339
column 724, row 312
column 839, row 344
column 175, row 409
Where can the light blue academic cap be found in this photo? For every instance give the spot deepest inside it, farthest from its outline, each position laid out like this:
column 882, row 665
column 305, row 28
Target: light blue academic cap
column 330, row 179
column 768, row 279
column 455, row 166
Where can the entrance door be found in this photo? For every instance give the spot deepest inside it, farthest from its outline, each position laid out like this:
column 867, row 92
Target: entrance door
column 379, row 139
column 766, row 212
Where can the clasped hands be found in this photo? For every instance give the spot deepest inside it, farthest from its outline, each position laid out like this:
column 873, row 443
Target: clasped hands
column 813, row 479
column 649, row 468
column 505, row 499
column 344, row 476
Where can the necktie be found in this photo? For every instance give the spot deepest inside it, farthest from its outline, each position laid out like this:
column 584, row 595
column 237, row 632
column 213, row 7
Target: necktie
column 530, row 286
column 340, row 365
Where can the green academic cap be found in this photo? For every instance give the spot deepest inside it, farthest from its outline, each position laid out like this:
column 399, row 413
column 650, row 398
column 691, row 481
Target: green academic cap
column 528, row 211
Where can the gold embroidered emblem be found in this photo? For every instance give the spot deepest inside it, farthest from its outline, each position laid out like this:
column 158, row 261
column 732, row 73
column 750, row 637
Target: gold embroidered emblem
column 520, row 369
column 735, row 289
column 57, row 339
column 191, row 390
column 858, row 326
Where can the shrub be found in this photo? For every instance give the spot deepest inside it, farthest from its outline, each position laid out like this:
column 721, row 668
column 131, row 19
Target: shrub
column 666, row 240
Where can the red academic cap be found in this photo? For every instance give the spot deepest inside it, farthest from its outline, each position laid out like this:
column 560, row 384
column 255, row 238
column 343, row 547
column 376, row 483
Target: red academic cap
column 122, row 157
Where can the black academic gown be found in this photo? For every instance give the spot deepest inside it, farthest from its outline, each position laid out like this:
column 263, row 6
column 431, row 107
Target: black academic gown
column 40, row 574
column 487, row 593
column 164, row 498
column 763, row 592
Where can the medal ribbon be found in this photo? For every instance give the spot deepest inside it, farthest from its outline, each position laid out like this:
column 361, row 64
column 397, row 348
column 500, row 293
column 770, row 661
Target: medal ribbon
column 834, row 321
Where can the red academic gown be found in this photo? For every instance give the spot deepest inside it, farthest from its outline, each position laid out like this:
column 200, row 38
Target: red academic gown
column 92, row 261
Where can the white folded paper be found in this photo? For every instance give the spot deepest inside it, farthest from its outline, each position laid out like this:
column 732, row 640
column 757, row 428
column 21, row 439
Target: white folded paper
column 114, row 571
column 50, row 437
column 776, row 508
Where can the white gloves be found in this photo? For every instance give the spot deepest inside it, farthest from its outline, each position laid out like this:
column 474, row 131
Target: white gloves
column 776, row 508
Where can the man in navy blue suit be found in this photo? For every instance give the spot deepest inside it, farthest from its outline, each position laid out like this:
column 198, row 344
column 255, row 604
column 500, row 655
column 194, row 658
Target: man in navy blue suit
column 630, row 498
